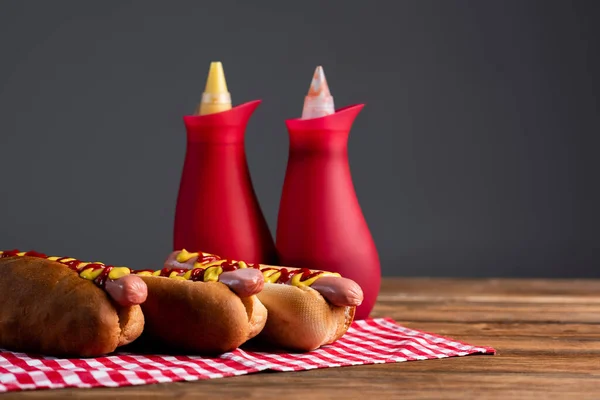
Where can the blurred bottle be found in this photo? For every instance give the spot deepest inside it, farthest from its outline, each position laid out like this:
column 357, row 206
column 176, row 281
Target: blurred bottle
column 320, row 223
column 217, row 210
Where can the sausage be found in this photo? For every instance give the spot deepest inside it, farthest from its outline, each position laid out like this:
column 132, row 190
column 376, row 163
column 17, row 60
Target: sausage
column 171, row 261
column 244, row 282
column 339, row 291
column 127, row 291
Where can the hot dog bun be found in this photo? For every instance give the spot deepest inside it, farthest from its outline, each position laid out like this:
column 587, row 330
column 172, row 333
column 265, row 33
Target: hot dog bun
column 300, row 318
column 306, row 308
column 199, row 317
column 46, row 308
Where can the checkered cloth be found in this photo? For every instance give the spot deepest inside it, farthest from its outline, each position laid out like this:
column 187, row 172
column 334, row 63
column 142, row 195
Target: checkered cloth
column 373, row 341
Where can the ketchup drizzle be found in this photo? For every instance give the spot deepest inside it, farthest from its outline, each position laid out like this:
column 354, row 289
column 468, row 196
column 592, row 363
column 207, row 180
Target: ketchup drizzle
column 167, row 271
column 10, row 253
column 310, row 275
column 101, row 279
column 229, row 265
column 196, row 275
column 287, row 274
column 36, row 254
column 210, row 258
column 71, row 264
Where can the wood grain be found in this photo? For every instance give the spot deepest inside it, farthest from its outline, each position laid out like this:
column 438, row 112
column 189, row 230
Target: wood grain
column 547, row 333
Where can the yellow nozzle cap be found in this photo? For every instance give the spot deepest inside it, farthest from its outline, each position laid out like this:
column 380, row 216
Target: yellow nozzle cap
column 215, row 98
column 216, row 83
column 319, row 101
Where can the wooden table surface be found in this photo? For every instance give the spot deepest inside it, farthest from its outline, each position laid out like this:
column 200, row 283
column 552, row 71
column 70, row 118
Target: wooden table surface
column 546, row 333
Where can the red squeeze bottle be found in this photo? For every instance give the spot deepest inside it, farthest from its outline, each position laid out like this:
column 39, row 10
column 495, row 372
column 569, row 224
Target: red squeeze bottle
column 320, row 223
column 217, row 210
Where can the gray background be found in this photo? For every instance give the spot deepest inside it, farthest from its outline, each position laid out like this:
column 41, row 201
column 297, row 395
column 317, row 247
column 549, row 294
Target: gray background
column 475, row 156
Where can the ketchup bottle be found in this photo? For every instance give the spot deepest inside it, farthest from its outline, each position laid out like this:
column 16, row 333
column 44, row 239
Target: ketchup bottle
column 217, row 210
column 320, row 223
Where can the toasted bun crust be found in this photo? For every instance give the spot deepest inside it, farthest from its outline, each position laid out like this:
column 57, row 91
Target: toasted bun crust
column 300, row 318
column 199, row 317
column 131, row 322
column 48, row 309
column 257, row 315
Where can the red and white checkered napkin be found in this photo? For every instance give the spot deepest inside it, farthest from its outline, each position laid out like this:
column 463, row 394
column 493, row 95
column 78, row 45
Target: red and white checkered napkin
column 373, row 341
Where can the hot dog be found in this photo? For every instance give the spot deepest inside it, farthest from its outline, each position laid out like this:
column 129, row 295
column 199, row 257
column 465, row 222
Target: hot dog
column 46, row 307
column 199, row 317
column 200, row 311
column 306, row 308
column 215, row 315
